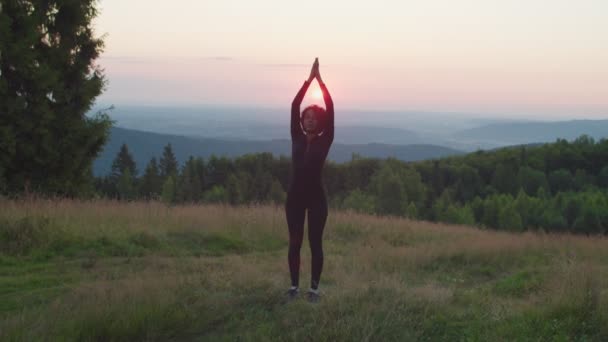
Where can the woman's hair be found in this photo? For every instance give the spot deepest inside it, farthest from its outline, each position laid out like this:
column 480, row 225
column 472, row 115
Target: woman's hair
column 319, row 113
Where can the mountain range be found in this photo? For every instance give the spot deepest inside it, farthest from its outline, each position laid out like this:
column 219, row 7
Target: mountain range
column 511, row 133
column 409, row 136
column 460, row 131
column 145, row 145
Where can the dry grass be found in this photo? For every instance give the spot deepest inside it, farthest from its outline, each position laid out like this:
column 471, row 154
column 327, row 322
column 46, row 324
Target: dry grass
column 384, row 278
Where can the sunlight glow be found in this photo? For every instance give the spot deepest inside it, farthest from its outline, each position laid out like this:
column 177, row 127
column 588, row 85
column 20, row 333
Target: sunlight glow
column 317, row 94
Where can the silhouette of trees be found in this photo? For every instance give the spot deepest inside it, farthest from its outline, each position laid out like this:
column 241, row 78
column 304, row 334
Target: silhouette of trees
column 554, row 187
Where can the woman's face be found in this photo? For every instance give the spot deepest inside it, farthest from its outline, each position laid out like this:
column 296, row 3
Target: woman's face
column 309, row 121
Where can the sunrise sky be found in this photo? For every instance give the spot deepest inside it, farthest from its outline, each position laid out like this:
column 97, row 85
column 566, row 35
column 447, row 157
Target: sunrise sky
column 530, row 58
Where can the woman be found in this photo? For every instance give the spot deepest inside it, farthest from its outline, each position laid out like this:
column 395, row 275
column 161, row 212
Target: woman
column 312, row 134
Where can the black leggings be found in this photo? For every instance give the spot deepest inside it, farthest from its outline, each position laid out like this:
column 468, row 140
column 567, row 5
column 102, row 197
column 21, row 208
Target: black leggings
column 295, row 209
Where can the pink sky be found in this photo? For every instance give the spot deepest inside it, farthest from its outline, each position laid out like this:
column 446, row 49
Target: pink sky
column 519, row 58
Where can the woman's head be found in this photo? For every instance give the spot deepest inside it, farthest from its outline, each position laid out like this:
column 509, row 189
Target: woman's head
column 312, row 119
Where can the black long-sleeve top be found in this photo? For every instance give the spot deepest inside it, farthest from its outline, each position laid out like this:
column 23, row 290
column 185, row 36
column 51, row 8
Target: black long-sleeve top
column 308, row 160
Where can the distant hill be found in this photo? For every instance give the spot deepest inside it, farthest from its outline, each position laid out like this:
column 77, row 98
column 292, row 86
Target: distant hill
column 145, row 145
column 502, row 134
column 345, row 135
column 252, row 123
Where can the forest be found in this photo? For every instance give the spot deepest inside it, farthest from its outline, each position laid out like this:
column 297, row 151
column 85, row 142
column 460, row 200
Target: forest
column 560, row 187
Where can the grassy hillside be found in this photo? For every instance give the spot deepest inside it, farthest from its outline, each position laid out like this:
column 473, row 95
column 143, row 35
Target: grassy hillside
column 142, row 271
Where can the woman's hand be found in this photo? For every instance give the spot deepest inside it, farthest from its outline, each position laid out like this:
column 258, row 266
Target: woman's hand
column 318, row 73
column 314, row 72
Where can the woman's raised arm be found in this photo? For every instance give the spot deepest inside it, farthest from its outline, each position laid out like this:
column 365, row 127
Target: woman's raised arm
column 296, row 129
column 329, row 108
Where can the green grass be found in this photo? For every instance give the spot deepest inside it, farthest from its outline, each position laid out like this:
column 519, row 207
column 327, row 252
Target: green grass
column 518, row 284
column 115, row 271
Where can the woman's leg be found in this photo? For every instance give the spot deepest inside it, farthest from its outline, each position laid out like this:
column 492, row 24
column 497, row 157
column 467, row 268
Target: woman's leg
column 317, row 216
column 295, row 222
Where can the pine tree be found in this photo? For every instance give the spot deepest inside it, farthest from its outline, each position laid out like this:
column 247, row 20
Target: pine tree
column 123, row 162
column 126, row 185
column 48, row 83
column 151, row 185
column 168, row 163
column 198, row 171
column 189, row 187
column 168, row 194
column 124, row 173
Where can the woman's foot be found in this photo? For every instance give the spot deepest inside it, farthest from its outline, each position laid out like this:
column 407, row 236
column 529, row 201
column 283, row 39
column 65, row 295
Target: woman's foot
column 292, row 293
column 313, row 295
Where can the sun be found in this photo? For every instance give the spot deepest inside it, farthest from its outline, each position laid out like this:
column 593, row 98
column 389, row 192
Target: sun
column 317, row 94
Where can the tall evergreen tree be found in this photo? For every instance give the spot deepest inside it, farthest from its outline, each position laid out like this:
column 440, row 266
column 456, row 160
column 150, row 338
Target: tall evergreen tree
column 126, row 185
column 189, row 187
column 151, row 185
column 168, row 193
column 199, row 165
column 48, row 83
column 168, row 163
column 122, row 162
column 124, row 173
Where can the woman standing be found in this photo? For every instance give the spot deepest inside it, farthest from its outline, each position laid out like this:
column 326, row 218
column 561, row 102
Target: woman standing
column 312, row 133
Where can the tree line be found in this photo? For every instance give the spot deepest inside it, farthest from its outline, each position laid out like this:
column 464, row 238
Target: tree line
column 560, row 186
column 258, row 178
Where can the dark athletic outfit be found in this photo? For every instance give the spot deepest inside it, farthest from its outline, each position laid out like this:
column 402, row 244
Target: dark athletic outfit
column 306, row 189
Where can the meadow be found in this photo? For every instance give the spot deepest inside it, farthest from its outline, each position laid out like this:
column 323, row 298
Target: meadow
column 122, row 271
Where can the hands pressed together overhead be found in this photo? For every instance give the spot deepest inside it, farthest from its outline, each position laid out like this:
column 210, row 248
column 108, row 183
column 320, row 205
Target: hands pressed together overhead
column 296, row 129
column 314, row 72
